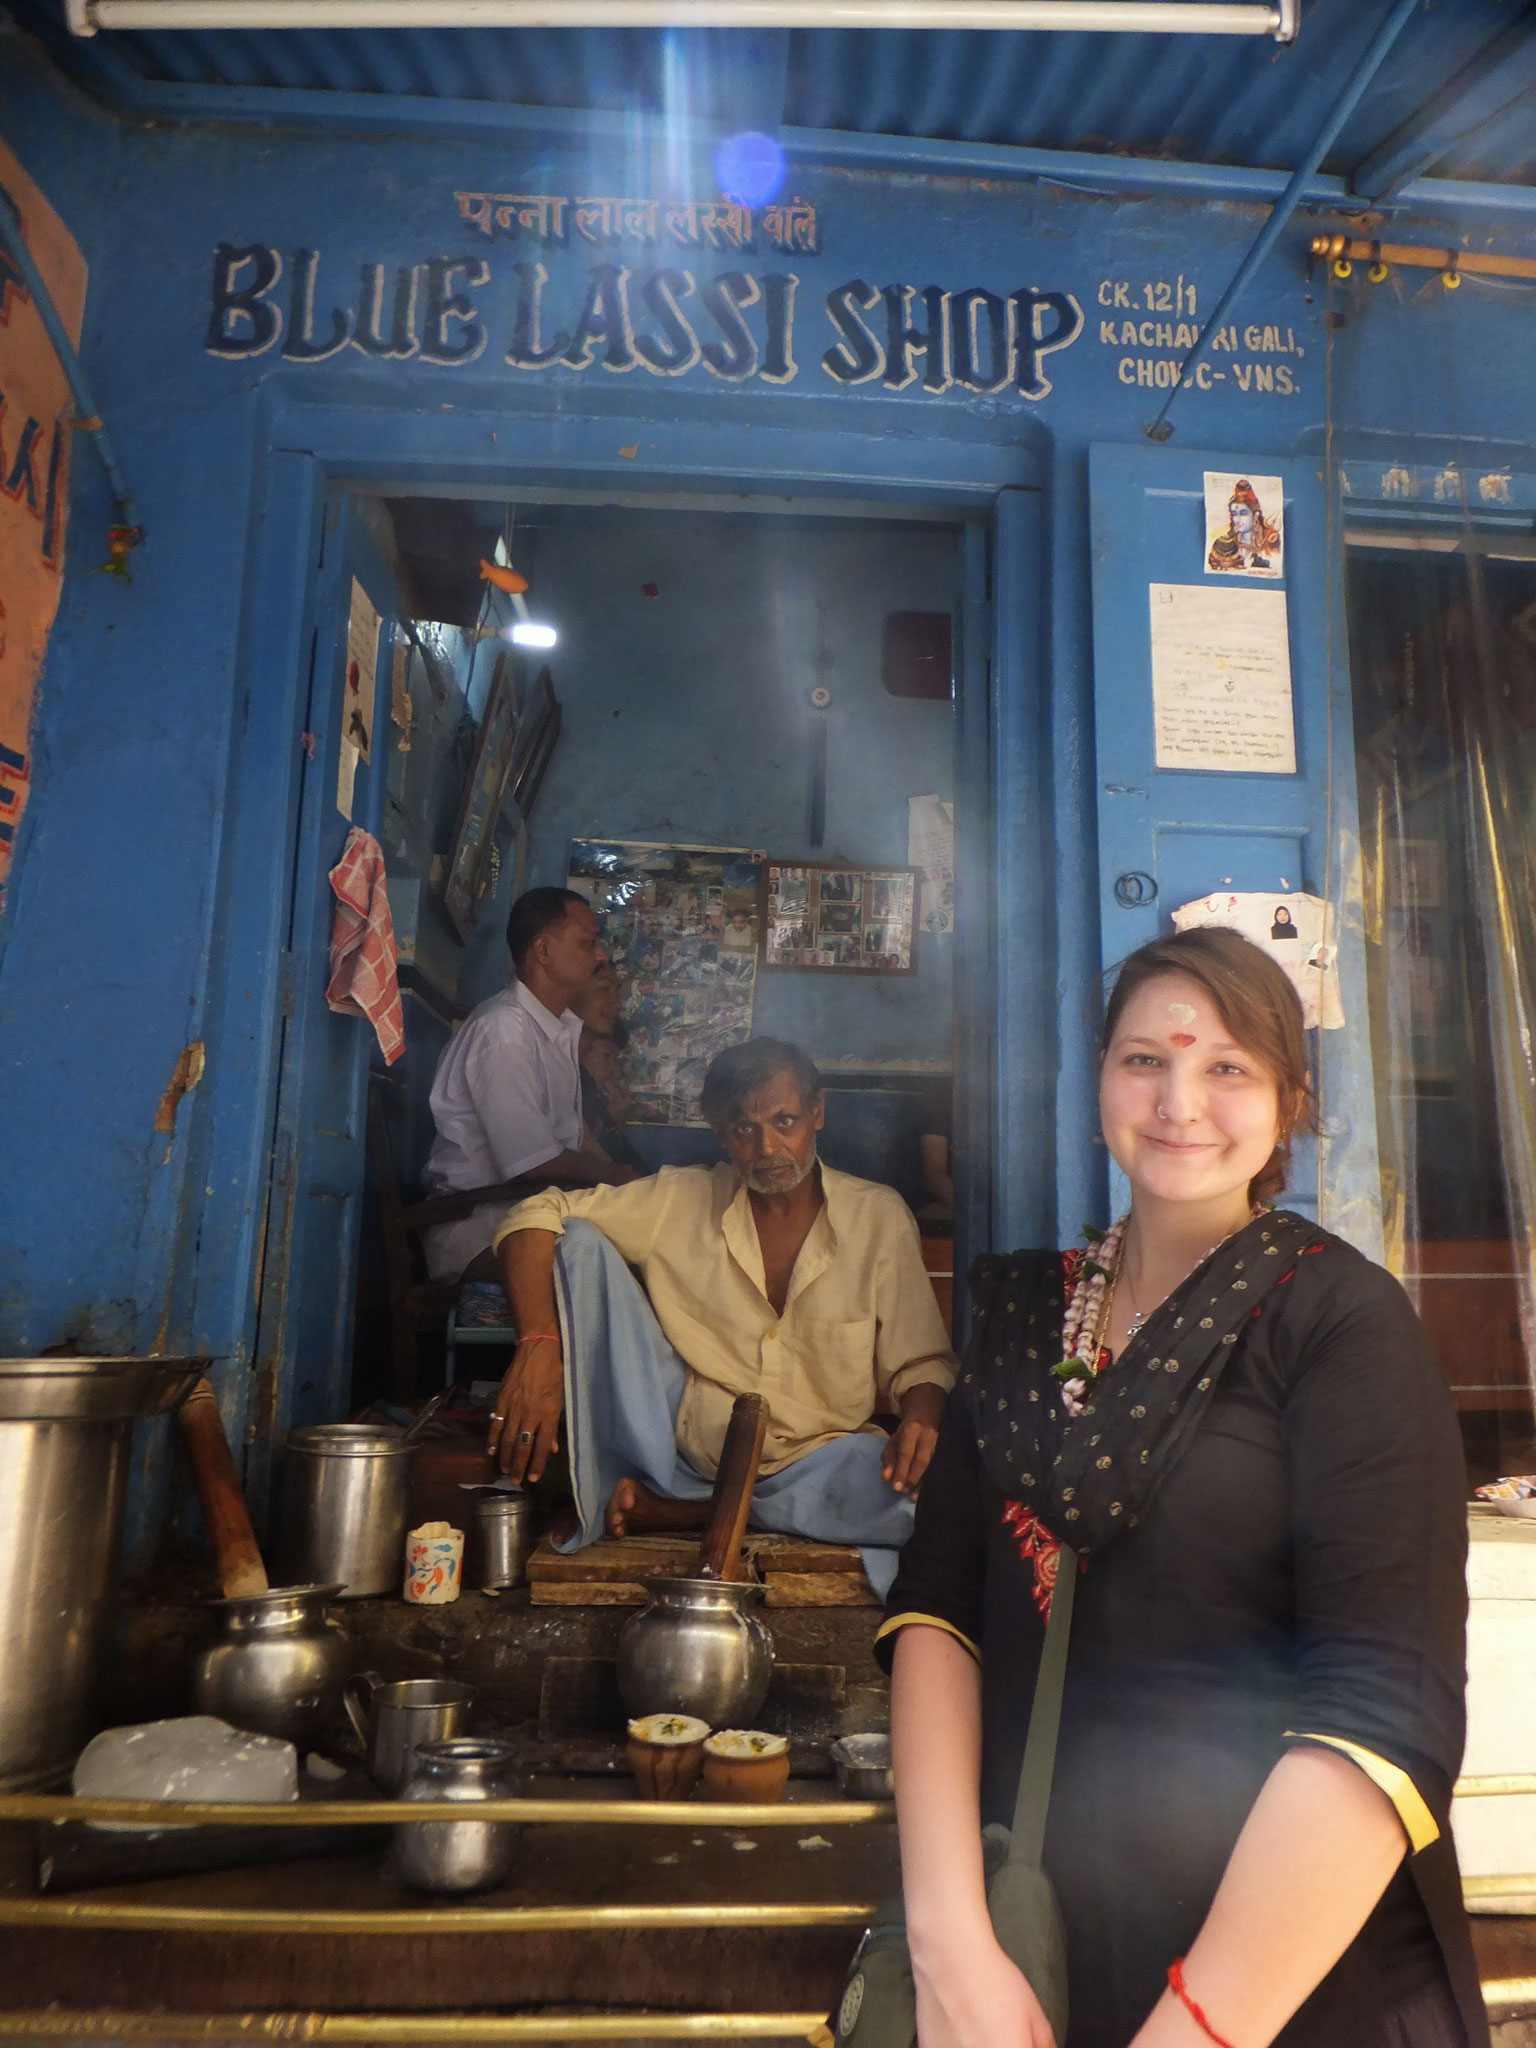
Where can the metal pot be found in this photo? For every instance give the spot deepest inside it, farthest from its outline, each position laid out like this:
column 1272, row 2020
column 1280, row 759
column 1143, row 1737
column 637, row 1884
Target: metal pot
column 696, row 1650
column 64, row 1430
column 346, row 1489
column 457, row 1855
column 278, row 1667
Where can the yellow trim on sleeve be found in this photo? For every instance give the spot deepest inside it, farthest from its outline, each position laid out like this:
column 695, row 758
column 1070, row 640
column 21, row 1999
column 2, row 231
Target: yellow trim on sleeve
column 889, row 1628
column 1419, row 1824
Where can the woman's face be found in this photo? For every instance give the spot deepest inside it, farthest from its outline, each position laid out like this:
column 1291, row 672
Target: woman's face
column 1188, row 1115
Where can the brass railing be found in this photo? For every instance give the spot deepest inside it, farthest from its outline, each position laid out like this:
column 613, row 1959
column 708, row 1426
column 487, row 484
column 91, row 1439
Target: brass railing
column 448, row 1918
column 1503, row 1995
column 414, row 2027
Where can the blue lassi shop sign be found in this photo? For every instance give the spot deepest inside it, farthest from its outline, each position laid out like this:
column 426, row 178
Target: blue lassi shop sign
column 709, row 295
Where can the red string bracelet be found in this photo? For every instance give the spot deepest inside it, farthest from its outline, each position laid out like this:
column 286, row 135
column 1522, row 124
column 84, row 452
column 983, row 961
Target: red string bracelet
column 539, row 1337
column 1181, row 1992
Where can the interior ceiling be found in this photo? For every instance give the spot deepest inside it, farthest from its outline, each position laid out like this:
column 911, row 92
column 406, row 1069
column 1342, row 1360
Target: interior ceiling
column 439, row 542
column 1455, row 99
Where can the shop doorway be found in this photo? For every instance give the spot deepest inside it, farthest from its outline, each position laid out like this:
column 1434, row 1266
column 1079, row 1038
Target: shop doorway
column 1443, row 659
column 773, row 683
column 769, row 694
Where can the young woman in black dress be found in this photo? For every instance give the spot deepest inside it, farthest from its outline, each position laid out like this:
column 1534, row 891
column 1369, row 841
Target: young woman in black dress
column 1236, row 1421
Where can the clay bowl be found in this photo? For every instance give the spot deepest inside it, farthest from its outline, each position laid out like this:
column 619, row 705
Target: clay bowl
column 745, row 1763
column 666, row 1754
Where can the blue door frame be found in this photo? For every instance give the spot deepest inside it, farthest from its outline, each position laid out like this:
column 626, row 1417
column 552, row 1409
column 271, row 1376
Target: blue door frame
column 309, row 453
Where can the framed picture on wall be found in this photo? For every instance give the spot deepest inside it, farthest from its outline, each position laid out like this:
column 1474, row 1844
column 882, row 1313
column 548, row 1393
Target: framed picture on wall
column 490, row 765
column 838, row 918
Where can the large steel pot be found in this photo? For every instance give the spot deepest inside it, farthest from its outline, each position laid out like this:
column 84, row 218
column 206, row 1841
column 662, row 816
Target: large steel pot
column 696, row 1650
column 346, row 1489
column 64, row 1429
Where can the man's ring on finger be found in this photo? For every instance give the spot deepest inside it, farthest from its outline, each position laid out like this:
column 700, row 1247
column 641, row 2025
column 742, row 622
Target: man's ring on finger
column 525, row 1436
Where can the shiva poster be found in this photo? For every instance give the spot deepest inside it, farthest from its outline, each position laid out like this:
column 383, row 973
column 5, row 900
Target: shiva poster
column 1244, row 526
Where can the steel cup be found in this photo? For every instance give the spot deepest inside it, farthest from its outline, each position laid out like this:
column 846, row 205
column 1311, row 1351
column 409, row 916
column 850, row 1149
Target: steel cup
column 393, row 1718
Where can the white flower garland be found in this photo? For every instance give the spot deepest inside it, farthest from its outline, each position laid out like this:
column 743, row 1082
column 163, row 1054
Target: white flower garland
column 1082, row 1329
column 1086, row 1323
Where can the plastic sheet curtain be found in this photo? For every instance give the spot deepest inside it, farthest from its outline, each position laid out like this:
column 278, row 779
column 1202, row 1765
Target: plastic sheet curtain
column 1442, row 627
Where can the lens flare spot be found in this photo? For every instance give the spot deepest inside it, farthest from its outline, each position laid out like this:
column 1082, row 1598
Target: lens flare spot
column 749, row 167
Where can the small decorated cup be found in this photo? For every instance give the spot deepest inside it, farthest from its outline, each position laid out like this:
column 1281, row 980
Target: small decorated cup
column 746, row 1763
column 666, row 1754
column 434, row 1564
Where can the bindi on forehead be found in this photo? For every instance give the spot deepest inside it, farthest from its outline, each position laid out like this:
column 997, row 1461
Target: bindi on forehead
column 1181, row 1015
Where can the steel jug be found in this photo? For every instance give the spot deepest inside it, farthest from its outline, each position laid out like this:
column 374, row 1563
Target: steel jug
column 457, row 1855
column 279, row 1665
column 696, row 1650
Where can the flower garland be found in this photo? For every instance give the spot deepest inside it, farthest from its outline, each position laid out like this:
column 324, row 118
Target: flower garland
column 1086, row 1322
column 1087, row 1317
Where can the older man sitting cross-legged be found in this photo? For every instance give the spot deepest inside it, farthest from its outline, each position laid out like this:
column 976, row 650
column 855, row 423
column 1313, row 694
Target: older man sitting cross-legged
column 770, row 1274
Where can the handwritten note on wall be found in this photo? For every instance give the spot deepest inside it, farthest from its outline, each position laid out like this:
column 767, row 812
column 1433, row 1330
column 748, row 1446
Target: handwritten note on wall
column 1221, row 680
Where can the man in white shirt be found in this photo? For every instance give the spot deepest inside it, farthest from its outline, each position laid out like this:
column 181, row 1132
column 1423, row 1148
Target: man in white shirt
column 770, row 1274
column 506, row 1097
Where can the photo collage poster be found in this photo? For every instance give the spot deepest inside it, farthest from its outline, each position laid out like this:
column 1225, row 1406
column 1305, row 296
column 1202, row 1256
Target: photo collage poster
column 682, row 925
column 858, row 919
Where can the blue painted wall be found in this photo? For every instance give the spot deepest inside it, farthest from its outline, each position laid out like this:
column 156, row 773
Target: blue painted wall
column 141, row 910
column 688, row 718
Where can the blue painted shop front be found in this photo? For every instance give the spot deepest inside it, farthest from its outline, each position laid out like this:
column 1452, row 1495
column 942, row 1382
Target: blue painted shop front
column 298, row 317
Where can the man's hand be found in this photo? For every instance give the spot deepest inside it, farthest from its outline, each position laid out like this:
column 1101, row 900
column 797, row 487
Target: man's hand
column 909, row 1450
column 525, row 1424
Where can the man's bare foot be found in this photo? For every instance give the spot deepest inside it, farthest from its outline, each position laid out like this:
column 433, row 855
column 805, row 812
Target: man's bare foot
column 633, row 1510
column 565, row 1525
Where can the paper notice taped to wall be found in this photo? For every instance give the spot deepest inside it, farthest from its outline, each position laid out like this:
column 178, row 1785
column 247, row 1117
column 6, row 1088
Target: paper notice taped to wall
column 1296, row 930
column 931, row 849
column 362, row 661
column 1221, row 680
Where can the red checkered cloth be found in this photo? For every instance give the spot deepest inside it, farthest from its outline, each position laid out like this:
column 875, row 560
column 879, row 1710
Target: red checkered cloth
column 363, row 979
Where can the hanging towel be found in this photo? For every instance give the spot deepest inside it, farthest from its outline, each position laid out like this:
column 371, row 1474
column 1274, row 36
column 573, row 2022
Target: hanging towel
column 364, row 982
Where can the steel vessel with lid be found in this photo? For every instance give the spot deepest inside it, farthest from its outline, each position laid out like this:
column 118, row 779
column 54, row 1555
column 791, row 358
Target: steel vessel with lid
column 346, row 1491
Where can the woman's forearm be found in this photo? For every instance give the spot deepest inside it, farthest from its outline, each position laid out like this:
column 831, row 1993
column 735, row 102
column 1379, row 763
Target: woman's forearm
column 1314, row 1856
column 936, row 1751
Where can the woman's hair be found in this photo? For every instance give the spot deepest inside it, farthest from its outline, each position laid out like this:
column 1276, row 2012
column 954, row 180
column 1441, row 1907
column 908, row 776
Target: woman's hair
column 1258, row 1005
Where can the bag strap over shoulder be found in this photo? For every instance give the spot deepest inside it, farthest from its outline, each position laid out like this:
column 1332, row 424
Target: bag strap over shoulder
column 1033, row 1804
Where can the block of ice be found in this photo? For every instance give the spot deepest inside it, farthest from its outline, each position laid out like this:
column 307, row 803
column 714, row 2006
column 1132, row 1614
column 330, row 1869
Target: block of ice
column 196, row 1758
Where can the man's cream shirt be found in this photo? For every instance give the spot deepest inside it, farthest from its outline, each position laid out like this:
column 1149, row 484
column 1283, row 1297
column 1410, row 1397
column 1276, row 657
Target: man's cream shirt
column 860, row 1324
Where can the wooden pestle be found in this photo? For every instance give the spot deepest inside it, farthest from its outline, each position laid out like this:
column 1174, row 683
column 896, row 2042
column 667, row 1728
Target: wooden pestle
column 241, row 1571
column 735, row 1477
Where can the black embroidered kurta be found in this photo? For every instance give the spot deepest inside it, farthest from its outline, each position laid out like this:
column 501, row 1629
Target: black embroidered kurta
column 1298, row 1574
